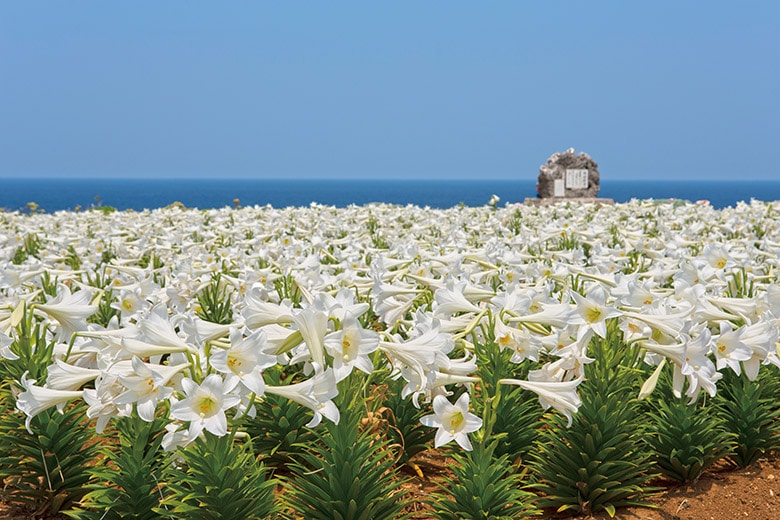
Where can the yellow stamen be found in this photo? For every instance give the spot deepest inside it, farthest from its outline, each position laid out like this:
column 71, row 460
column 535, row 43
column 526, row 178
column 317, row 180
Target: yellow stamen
column 456, row 421
column 593, row 314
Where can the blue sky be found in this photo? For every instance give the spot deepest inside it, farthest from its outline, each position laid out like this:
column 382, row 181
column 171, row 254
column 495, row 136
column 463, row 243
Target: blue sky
column 662, row 89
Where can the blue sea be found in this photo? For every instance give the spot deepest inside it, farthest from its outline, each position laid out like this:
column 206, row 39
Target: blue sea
column 67, row 194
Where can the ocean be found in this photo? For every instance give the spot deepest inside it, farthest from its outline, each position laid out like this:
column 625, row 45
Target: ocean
column 67, row 194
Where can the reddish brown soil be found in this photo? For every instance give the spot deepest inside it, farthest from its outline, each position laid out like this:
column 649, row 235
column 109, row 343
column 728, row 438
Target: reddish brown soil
column 724, row 493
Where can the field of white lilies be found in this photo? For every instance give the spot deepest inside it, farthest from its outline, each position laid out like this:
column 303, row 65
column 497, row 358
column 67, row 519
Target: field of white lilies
column 295, row 363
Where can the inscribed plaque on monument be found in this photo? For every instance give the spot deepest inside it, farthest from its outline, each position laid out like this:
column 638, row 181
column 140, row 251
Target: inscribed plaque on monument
column 576, row 179
column 558, row 188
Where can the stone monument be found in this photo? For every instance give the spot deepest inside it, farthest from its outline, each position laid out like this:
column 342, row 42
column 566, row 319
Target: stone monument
column 567, row 176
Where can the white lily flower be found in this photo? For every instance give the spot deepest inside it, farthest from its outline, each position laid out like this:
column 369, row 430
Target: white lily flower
column 518, row 301
column 383, row 290
column 350, row 348
column 15, row 277
column 393, row 309
column 174, row 437
column 729, row 349
column 205, row 405
column 560, row 340
column 639, row 294
column 245, row 360
column 315, row 393
column 147, row 386
column 69, row 310
column 5, row 348
column 36, row 399
column 554, row 314
column 699, row 368
column 102, row 401
column 759, row 337
column 454, row 421
column 459, row 366
column 158, row 330
column 569, row 365
column 63, row 376
column 659, row 320
column 130, row 303
column 419, row 354
column 133, row 347
column 744, row 307
column 313, row 325
column 649, row 385
column 258, row 312
column 200, row 332
column 717, row 255
column 443, row 379
column 771, row 300
column 593, row 312
column 451, row 300
column 562, row 396
column 703, row 310
column 705, row 377
column 522, row 343
column 340, row 306
column 693, row 272
column 676, row 353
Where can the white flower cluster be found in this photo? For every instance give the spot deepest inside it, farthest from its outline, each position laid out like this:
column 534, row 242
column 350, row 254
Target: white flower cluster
column 328, row 289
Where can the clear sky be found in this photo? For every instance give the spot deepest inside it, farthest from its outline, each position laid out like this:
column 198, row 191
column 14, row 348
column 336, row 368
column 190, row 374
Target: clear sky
column 393, row 89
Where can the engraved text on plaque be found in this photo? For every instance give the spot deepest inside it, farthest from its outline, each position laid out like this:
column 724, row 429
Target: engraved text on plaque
column 576, row 179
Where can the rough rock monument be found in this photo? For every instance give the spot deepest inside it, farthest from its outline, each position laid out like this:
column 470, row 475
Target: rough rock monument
column 568, row 176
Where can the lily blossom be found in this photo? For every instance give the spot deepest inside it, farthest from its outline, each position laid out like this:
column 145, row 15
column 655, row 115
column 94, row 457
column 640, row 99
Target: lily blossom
column 313, row 325
column 593, row 312
column 5, row 348
column 245, row 360
column 205, row 405
column 759, row 337
column 520, row 341
column 134, row 347
column 717, row 255
column 174, row 437
column 259, row 312
column 147, row 386
column 36, row 399
column 315, row 393
column 699, row 368
column 729, row 348
column 69, row 310
column 662, row 322
column 350, row 348
column 561, row 395
column 340, row 306
column 419, row 354
column 63, row 376
column 553, row 314
column 451, row 300
column 158, row 330
column 454, row 421
column 102, row 400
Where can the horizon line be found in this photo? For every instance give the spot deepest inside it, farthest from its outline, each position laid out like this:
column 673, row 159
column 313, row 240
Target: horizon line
column 352, row 179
